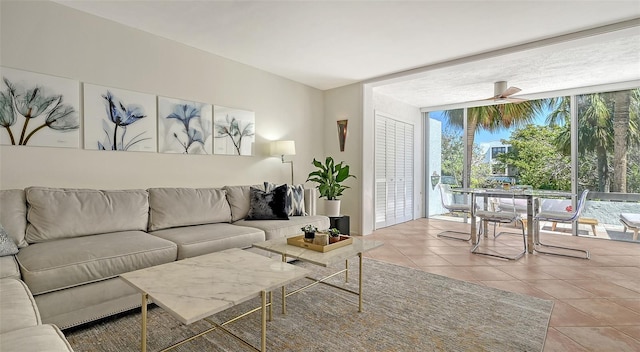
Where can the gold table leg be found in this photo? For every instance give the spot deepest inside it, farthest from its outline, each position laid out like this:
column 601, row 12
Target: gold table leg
column 284, row 290
column 346, row 272
column 270, row 305
column 143, row 342
column 360, row 283
column 263, row 338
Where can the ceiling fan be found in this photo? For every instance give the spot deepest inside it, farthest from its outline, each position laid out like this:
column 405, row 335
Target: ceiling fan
column 502, row 94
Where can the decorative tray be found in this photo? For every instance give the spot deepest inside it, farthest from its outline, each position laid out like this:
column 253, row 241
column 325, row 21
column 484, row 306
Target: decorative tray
column 298, row 241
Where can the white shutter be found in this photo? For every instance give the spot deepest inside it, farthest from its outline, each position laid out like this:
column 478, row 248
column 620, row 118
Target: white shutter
column 380, row 167
column 393, row 171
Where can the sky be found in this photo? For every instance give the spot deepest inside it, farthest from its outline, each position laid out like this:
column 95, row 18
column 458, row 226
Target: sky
column 484, row 137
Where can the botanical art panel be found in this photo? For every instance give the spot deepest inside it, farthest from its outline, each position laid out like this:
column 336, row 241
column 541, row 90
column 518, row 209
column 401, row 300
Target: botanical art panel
column 39, row 110
column 184, row 127
column 234, row 131
column 117, row 119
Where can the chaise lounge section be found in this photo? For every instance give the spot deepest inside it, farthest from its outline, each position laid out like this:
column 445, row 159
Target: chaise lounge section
column 20, row 326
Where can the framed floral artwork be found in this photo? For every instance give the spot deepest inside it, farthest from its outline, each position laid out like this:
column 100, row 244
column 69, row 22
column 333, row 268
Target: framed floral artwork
column 184, row 126
column 118, row 119
column 233, row 131
column 39, row 110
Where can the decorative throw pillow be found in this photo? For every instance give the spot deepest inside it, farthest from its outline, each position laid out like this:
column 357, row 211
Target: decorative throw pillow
column 295, row 198
column 268, row 205
column 7, row 246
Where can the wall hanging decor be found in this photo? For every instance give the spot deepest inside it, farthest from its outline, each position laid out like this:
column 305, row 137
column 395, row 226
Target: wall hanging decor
column 118, row 119
column 233, row 131
column 184, row 126
column 342, row 133
column 39, row 110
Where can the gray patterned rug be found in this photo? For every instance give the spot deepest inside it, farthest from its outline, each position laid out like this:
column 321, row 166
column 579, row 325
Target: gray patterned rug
column 404, row 310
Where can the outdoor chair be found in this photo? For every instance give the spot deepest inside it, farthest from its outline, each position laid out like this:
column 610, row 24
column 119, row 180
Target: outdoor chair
column 500, row 217
column 564, row 217
column 446, row 196
column 631, row 222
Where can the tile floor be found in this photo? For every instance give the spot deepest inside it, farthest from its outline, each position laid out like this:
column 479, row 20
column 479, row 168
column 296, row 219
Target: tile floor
column 597, row 301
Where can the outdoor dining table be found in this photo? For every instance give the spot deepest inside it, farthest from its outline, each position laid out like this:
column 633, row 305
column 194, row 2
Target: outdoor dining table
column 532, row 197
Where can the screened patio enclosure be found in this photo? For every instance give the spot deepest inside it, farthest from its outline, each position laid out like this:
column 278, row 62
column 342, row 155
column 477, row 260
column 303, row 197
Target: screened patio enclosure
column 566, row 143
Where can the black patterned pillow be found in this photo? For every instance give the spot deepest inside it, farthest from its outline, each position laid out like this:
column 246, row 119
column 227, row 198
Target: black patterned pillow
column 295, row 198
column 268, row 205
column 7, row 246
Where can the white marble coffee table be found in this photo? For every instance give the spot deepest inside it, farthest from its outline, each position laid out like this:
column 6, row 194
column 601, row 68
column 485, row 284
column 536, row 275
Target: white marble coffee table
column 195, row 288
column 325, row 259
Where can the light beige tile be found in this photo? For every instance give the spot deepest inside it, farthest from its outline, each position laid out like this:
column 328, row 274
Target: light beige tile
column 601, row 339
column 606, row 311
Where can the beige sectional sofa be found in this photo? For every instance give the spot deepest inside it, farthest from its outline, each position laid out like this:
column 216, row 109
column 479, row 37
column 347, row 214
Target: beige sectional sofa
column 74, row 243
column 20, row 327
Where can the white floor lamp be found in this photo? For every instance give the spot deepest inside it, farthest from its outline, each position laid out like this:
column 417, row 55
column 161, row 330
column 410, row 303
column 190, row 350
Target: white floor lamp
column 282, row 148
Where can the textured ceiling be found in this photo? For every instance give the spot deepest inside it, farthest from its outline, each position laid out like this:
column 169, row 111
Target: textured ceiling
column 327, row 44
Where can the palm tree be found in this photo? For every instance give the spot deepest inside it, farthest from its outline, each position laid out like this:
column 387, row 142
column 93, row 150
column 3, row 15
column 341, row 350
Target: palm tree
column 493, row 118
column 621, row 119
column 594, row 130
column 600, row 131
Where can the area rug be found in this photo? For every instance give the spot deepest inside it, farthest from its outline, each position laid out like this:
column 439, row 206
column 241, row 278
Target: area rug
column 404, row 310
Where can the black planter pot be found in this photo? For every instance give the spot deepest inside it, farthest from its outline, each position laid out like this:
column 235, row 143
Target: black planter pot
column 309, row 236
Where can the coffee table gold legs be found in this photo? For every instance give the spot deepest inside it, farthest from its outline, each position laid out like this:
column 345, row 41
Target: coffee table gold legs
column 284, row 290
column 360, row 283
column 143, row 343
column 263, row 339
column 346, row 270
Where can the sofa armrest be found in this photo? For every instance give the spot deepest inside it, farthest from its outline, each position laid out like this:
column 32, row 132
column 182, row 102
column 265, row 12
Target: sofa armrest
column 9, row 267
column 18, row 309
column 310, row 200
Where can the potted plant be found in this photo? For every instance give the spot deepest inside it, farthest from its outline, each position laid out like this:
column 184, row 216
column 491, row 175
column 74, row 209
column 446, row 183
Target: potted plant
column 309, row 232
column 329, row 177
column 334, row 235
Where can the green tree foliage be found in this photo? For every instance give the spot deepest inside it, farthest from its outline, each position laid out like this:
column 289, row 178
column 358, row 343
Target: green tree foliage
column 494, row 118
column 538, row 161
column 453, row 160
column 452, row 156
column 597, row 141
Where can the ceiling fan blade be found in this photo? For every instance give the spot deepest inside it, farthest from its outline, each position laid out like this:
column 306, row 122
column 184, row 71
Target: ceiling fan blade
column 510, row 91
column 515, row 100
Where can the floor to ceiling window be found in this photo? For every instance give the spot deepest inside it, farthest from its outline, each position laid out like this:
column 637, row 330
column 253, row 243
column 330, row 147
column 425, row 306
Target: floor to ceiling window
column 530, row 144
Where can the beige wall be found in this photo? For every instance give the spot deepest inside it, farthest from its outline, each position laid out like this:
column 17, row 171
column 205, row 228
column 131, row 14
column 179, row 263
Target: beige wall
column 345, row 103
column 46, row 37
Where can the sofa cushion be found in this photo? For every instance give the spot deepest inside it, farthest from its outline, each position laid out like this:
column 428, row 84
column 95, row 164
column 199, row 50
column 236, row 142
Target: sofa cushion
column 35, row 339
column 295, row 198
column 174, row 207
column 17, row 305
column 7, row 244
column 238, row 198
column 13, row 214
column 203, row 239
column 268, row 205
column 56, row 213
column 286, row 228
column 55, row 265
column 9, row 268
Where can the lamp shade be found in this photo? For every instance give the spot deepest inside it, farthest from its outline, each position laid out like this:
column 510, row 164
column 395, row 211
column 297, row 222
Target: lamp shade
column 279, row 148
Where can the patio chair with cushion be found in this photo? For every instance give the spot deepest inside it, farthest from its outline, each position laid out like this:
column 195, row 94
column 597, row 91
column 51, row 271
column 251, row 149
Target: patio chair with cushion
column 631, row 222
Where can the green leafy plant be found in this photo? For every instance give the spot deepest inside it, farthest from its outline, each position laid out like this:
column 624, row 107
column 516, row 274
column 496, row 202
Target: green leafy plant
column 329, row 178
column 309, row 229
column 333, row 232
